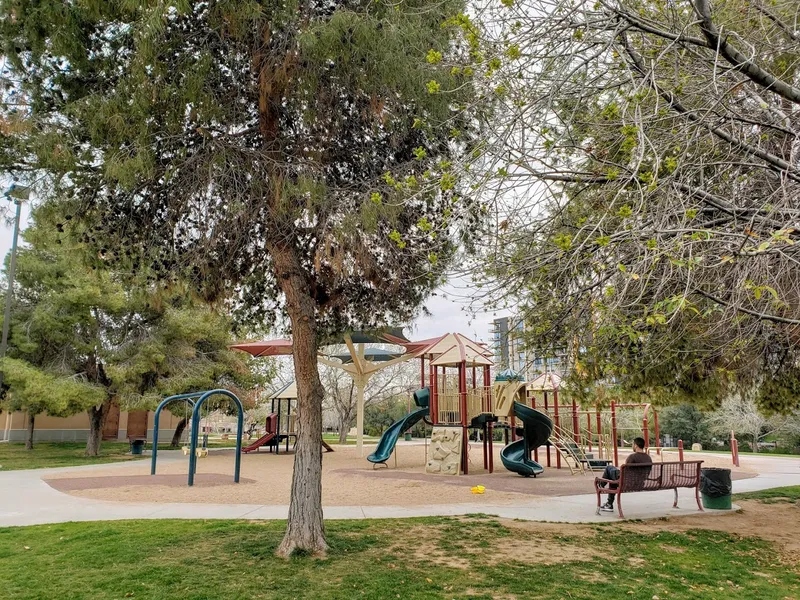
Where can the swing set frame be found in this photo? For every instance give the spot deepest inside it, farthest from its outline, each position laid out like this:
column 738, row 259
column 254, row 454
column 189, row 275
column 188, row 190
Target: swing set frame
column 196, row 401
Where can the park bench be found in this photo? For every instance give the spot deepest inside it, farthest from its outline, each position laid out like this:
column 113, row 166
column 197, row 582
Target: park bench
column 652, row 478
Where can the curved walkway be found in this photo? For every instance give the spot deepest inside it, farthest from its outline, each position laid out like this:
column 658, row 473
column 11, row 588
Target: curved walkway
column 25, row 499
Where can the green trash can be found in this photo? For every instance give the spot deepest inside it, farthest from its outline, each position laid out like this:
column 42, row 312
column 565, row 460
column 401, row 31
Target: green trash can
column 407, row 436
column 137, row 446
column 721, row 503
column 716, row 488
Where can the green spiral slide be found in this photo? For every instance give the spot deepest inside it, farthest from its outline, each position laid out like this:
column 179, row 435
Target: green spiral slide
column 537, row 428
column 391, row 435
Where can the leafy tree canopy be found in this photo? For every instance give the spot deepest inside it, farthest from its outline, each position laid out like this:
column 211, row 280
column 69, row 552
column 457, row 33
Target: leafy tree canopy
column 653, row 150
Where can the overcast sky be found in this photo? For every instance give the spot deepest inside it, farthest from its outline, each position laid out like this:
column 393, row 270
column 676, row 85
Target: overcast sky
column 449, row 308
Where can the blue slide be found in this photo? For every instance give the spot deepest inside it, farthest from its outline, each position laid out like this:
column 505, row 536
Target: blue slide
column 389, row 437
column 537, row 428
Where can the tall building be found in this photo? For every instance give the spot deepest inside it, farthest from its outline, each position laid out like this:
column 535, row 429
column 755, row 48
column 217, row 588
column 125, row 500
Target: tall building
column 507, row 342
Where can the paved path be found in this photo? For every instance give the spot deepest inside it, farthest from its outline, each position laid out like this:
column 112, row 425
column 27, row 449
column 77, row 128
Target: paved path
column 27, row 500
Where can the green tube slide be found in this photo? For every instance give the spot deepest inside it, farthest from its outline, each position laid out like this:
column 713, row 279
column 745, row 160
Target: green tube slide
column 390, row 436
column 537, row 428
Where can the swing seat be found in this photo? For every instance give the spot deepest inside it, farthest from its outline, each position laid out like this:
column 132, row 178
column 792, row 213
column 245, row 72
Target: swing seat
column 186, row 450
column 201, row 452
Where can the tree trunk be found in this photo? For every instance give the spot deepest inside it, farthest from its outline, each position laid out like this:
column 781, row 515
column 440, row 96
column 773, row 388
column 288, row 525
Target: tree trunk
column 29, row 439
column 176, row 438
column 305, row 531
column 344, row 425
column 97, row 421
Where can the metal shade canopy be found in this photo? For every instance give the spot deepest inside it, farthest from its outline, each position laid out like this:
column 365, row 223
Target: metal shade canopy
column 266, row 348
column 392, row 335
column 361, row 363
column 370, row 354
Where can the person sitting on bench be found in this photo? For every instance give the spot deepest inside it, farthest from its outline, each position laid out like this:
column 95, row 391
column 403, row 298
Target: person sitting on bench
column 638, row 457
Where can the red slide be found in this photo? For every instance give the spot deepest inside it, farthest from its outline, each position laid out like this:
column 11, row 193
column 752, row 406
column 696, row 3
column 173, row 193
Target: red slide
column 272, row 425
column 264, row 439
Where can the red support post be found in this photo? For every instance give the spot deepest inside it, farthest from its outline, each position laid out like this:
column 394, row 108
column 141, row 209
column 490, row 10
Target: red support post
column 589, row 429
column 491, row 447
column 548, row 414
column 734, row 450
column 422, row 371
column 462, row 392
column 599, row 433
column 658, row 436
column 645, row 430
column 558, row 426
column 575, row 426
column 533, row 405
column 434, row 376
column 485, row 432
column 614, row 433
column 680, row 450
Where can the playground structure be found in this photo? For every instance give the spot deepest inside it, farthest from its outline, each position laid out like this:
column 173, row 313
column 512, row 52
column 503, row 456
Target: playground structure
column 196, row 401
column 457, row 397
column 281, row 423
column 457, row 394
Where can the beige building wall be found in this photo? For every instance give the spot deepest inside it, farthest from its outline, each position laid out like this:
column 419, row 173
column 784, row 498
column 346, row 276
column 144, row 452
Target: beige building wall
column 14, row 426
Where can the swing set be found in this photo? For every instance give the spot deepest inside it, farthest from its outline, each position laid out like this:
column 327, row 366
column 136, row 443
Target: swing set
column 196, row 401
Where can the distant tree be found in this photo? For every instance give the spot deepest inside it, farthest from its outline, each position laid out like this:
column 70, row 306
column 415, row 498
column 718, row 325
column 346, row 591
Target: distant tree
column 299, row 157
column 380, row 415
column 740, row 414
column 85, row 336
column 341, row 394
column 36, row 392
column 685, row 422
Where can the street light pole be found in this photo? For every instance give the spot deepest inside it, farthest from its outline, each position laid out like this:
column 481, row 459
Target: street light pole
column 18, row 194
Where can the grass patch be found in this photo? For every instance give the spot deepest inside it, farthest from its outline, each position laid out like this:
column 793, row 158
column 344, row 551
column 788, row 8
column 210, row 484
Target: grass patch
column 789, row 494
column 333, row 439
column 431, row 558
column 765, row 454
column 44, row 455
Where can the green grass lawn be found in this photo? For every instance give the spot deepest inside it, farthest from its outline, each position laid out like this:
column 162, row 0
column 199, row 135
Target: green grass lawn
column 478, row 558
column 789, row 494
column 333, row 438
column 743, row 453
column 13, row 456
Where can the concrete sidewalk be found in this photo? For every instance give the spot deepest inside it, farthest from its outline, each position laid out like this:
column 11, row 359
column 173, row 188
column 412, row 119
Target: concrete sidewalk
column 27, row 500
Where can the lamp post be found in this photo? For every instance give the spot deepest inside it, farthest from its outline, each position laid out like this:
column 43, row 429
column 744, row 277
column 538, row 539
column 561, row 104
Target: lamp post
column 16, row 194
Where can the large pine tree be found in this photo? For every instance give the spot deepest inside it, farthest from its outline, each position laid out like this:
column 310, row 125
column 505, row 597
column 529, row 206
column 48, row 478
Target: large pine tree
column 298, row 157
column 84, row 336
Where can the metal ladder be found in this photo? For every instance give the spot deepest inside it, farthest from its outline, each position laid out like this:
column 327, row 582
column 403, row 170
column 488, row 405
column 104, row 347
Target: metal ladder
column 572, row 454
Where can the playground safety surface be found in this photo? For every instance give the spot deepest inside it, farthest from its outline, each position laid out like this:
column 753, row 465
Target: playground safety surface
column 347, row 480
column 94, row 483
